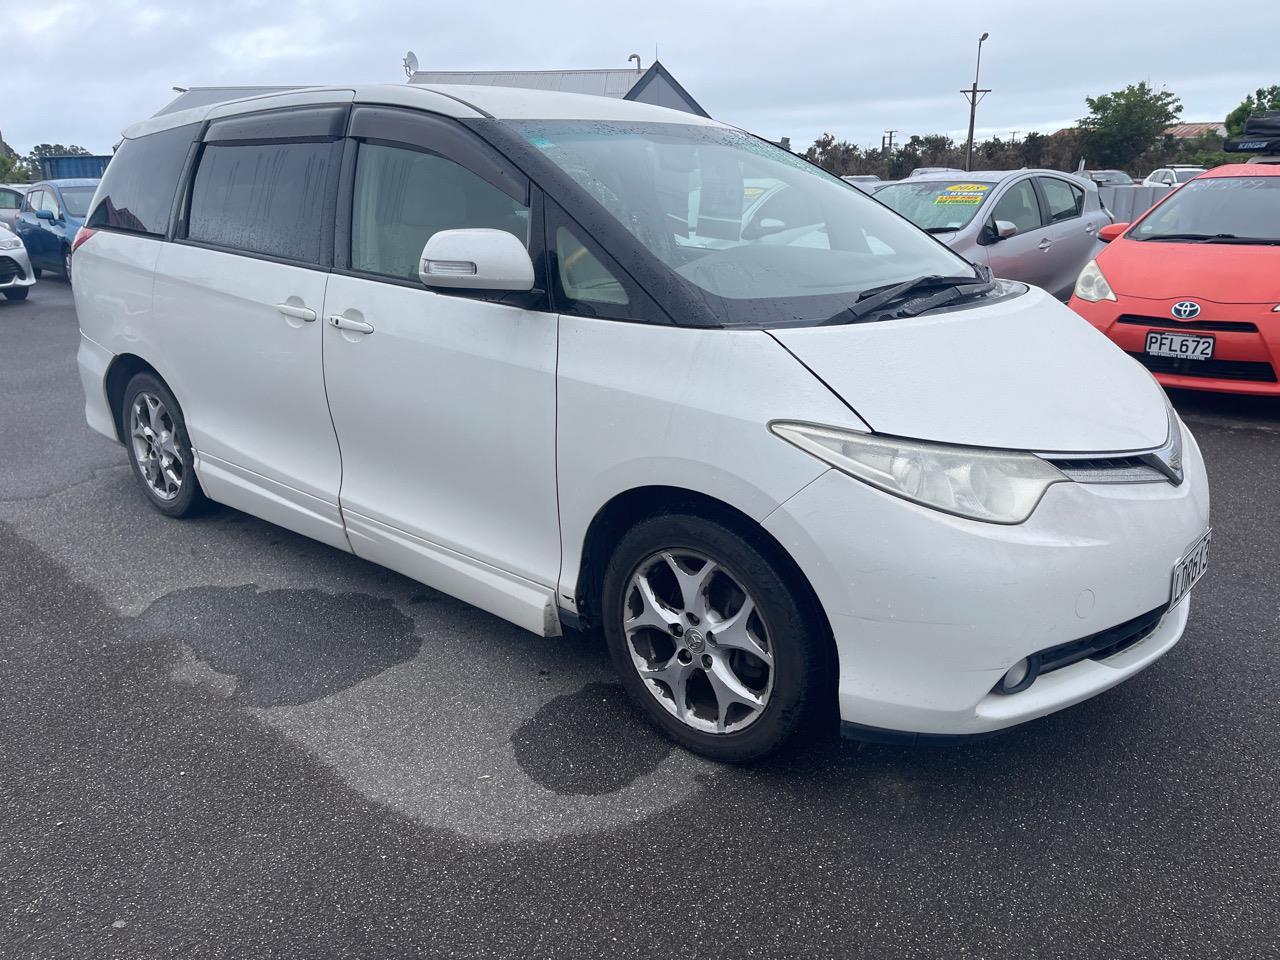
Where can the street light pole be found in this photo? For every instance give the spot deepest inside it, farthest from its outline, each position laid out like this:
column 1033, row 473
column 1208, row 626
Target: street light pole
column 974, row 95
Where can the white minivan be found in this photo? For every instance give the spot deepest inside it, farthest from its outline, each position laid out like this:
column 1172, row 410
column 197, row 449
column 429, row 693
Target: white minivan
column 592, row 363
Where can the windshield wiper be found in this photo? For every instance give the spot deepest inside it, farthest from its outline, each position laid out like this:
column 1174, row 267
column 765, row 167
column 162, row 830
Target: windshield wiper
column 941, row 229
column 871, row 301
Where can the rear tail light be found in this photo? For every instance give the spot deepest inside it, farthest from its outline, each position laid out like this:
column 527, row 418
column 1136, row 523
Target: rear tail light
column 83, row 234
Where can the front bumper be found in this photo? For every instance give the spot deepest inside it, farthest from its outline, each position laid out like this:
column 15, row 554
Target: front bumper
column 929, row 610
column 1246, row 350
column 15, row 269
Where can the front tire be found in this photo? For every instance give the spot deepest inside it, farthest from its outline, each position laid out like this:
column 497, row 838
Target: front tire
column 159, row 447
column 36, row 273
column 66, row 265
column 17, row 293
column 713, row 639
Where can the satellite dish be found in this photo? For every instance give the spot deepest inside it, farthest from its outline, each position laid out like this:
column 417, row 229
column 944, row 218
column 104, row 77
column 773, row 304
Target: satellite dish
column 410, row 64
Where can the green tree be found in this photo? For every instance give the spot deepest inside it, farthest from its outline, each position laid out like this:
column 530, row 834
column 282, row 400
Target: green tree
column 1125, row 124
column 56, row 150
column 1264, row 98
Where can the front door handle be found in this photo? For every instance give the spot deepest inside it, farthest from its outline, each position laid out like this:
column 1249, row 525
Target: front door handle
column 1046, row 243
column 294, row 312
column 346, row 323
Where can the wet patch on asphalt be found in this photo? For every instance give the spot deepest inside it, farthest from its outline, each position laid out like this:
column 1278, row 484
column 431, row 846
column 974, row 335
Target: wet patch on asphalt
column 589, row 742
column 284, row 647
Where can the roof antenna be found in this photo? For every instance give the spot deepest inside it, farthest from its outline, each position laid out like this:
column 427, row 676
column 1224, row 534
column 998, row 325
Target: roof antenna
column 636, row 58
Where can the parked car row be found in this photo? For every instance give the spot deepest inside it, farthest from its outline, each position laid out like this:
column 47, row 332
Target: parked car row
column 590, row 362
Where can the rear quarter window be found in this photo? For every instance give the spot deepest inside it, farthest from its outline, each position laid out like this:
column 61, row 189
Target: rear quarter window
column 138, row 187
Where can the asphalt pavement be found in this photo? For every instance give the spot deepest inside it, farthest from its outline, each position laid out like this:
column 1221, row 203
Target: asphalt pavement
column 219, row 739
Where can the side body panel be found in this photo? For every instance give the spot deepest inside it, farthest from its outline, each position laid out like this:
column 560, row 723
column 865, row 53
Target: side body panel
column 251, row 382
column 644, row 405
column 446, row 414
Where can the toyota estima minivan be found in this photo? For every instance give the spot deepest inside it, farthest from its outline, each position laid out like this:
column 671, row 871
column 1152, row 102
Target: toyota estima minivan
column 587, row 362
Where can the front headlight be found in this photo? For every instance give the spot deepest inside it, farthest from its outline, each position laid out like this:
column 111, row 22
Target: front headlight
column 996, row 486
column 1092, row 286
column 10, row 243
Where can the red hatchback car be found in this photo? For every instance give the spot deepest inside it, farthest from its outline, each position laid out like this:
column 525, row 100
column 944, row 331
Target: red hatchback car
column 1192, row 289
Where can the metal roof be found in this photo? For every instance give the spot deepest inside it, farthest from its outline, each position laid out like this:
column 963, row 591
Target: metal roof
column 598, row 83
column 206, row 96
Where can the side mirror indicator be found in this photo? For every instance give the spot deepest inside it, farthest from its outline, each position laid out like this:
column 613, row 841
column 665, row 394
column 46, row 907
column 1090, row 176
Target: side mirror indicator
column 476, row 259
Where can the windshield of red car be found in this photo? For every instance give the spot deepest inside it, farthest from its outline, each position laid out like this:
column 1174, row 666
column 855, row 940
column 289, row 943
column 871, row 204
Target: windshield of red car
column 1217, row 208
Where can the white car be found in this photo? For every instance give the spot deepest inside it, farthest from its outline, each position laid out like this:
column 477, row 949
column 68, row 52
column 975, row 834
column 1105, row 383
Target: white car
column 462, row 332
column 16, row 275
column 1173, row 176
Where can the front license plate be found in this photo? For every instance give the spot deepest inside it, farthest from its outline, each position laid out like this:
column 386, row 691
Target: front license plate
column 1191, row 567
column 1181, row 345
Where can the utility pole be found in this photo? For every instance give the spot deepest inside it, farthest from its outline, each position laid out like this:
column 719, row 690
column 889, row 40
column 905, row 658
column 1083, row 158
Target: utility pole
column 974, row 95
column 886, row 142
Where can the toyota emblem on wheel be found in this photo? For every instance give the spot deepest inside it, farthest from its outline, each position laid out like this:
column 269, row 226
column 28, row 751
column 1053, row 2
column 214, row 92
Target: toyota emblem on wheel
column 1185, row 310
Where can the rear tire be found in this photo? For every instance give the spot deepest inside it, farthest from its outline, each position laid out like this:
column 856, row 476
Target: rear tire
column 66, row 265
column 159, row 447
column 735, row 697
column 17, row 293
column 36, row 273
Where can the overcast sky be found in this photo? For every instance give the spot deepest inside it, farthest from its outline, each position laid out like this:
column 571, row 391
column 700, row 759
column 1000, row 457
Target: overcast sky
column 79, row 71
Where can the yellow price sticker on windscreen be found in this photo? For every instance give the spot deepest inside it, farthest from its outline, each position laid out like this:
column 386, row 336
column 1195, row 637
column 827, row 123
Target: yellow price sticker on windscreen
column 968, row 188
column 972, row 199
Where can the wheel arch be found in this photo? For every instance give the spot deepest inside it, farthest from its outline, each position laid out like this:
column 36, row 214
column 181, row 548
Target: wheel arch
column 123, row 368
column 624, row 510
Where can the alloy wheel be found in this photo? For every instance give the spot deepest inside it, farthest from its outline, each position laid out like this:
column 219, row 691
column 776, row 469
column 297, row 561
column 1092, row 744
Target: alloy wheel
column 155, row 446
column 698, row 641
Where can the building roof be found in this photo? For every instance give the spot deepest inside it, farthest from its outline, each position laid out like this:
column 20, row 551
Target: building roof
column 621, row 84
column 1190, row 131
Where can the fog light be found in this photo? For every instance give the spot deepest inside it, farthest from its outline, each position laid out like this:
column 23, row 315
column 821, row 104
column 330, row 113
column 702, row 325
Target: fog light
column 1020, row 676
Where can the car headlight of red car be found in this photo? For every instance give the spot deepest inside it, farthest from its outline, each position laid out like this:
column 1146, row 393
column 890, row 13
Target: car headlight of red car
column 1092, row 286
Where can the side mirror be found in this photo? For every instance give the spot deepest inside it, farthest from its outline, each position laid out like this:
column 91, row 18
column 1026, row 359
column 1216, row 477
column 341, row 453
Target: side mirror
column 476, row 259
column 1111, row 231
column 1005, row 229
column 44, row 215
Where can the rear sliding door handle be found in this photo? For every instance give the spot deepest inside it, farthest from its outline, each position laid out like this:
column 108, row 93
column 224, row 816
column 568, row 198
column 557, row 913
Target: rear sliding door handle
column 346, row 323
column 297, row 313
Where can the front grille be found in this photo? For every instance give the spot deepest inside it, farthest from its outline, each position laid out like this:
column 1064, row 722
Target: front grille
column 1109, row 470
column 1105, row 643
column 1222, row 326
column 1257, row 371
column 9, row 270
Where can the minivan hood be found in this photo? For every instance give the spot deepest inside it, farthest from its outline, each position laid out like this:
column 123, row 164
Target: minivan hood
column 1218, row 272
column 1023, row 374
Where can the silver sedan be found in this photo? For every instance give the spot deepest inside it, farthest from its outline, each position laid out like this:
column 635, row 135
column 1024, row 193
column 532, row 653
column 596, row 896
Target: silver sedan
column 1037, row 226
column 16, row 276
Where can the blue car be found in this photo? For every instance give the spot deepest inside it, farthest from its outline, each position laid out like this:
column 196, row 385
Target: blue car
column 52, row 212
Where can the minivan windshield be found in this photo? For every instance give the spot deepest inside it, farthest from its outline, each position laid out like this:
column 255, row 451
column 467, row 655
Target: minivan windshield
column 761, row 235
column 1217, row 210
column 936, row 205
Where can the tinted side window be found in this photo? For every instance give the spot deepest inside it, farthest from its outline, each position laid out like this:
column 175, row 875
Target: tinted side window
column 31, row 202
column 1065, row 201
column 1019, row 206
column 48, row 201
column 10, row 199
column 403, row 197
column 264, row 198
column 138, row 187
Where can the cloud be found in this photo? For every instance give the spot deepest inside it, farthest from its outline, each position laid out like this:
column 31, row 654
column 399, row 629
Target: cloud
column 796, row 69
